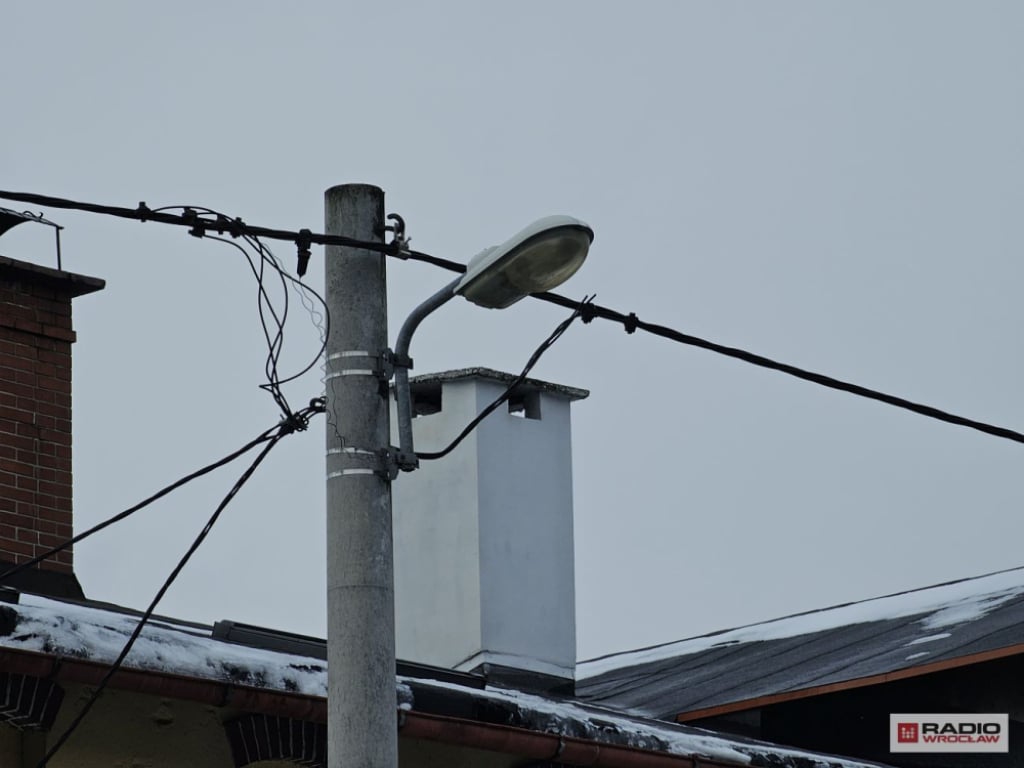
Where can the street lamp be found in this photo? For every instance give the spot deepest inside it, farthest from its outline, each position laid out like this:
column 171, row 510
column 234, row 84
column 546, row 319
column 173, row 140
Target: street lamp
column 538, row 258
column 360, row 570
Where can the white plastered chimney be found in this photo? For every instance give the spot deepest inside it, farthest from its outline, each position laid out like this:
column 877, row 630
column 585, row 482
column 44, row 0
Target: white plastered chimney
column 484, row 566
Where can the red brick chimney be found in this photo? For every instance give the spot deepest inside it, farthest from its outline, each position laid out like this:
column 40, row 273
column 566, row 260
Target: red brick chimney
column 35, row 421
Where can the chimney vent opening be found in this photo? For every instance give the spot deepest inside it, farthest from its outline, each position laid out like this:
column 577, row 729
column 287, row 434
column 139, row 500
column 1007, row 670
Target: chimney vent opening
column 525, row 404
column 426, row 399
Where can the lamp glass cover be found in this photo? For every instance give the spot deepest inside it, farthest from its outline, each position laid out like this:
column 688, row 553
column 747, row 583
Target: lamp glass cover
column 538, row 265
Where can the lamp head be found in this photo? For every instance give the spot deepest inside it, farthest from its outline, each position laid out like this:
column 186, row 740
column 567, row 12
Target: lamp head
column 538, row 258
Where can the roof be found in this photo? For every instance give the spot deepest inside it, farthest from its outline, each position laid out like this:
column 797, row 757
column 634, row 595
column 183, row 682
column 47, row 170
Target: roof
column 68, row 638
column 900, row 635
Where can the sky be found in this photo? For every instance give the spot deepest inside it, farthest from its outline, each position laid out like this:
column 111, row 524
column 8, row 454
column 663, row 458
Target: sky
column 836, row 185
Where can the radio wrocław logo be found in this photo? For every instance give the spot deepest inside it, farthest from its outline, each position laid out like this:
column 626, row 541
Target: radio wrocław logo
column 949, row 733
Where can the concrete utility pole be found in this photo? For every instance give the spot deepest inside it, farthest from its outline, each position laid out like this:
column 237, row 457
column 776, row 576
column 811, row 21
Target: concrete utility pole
column 361, row 704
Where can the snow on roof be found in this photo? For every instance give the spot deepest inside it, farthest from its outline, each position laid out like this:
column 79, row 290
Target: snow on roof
column 943, row 605
column 571, row 718
column 85, row 632
column 96, row 634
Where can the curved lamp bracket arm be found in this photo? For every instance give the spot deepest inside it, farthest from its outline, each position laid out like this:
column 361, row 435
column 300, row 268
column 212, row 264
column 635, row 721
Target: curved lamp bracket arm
column 407, row 455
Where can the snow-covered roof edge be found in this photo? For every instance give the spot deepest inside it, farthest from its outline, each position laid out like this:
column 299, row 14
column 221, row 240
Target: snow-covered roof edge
column 944, row 604
column 41, row 627
column 570, row 718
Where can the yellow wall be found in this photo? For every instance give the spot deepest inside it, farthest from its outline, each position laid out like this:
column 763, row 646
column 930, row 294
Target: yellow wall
column 131, row 730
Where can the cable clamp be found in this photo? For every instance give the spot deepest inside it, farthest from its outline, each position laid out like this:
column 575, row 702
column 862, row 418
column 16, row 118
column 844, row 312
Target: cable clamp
column 406, row 461
column 303, row 243
column 143, row 211
column 198, row 226
column 396, row 360
column 294, row 422
column 399, row 243
column 384, row 366
column 630, row 323
column 234, row 227
column 586, row 310
column 299, row 420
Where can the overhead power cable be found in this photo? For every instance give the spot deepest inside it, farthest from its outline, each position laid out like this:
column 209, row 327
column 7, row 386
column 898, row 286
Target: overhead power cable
column 631, row 322
column 298, row 423
column 198, row 225
column 156, row 600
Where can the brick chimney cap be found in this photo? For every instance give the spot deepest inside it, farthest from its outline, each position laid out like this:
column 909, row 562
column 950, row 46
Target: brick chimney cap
column 69, row 282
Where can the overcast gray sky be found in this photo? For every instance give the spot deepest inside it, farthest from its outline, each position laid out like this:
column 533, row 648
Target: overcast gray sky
column 834, row 184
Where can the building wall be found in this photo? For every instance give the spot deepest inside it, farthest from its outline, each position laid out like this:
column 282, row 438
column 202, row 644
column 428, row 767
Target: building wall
column 35, row 420
column 855, row 722
column 133, row 730
column 124, row 729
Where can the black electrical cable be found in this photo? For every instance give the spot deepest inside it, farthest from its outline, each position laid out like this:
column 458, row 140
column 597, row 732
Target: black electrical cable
column 426, row 258
column 275, row 344
column 274, row 349
column 632, row 323
column 518, row 380
column 268, row 435
column 323, row 324
column 297, row 422
column 304, row 291
column 263, row 298
column 237, row 228
column 198, row 225
column 156, row 600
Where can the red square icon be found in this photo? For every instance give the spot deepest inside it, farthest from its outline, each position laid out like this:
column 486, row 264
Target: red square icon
column 906, row 733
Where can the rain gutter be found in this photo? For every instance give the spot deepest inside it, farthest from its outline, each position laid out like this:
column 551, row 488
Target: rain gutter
column 505, row 739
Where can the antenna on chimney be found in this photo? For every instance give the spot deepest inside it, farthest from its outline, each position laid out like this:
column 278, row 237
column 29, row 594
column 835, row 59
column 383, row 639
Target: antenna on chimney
column 9, row 219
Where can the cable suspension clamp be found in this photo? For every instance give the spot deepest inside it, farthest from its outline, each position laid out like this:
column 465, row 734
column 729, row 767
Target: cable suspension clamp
column 303, row 243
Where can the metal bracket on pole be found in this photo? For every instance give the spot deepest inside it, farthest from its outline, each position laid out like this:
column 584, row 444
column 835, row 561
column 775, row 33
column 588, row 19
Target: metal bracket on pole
column 402, row 460
column 381, row 366
column 384, row 463
column 398, row 360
